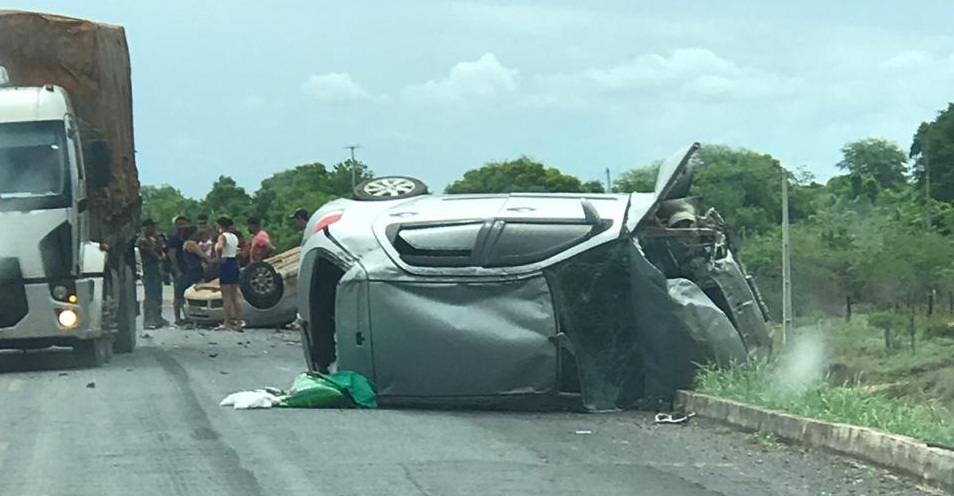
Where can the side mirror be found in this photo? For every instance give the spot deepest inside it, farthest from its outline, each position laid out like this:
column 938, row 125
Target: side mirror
column 98, row 164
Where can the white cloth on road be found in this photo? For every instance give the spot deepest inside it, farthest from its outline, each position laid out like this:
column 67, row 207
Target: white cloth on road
column 244, row 400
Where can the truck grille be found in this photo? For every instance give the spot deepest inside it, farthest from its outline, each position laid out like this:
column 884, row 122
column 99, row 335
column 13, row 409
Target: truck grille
column 12, row 293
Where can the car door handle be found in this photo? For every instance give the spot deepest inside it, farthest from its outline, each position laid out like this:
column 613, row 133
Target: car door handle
column 359, row 338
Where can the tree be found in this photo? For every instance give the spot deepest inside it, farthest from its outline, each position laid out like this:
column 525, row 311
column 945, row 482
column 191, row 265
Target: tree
column 933, row 150
column 642, row 180
column 228, row 199
column 593, row 187
column 339, row 179
column 746, row 188
column 162, row 203
column 880, row 159
column 521, row 175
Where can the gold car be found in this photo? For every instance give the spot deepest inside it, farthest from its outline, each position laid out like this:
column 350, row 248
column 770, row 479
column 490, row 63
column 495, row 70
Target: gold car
column 268, row 289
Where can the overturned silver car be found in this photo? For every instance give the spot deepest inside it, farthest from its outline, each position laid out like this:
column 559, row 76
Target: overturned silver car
column 500, row 298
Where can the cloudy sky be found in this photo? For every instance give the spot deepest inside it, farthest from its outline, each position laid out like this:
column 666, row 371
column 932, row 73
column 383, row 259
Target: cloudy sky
column 433, row 88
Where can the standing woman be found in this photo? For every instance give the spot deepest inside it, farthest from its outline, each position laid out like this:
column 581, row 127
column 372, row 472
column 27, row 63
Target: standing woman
column 226, row 248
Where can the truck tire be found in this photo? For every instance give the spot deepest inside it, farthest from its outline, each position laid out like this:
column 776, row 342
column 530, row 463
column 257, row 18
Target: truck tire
column 389, row 188
column 262, row 286
column 93, row 352
column 125, row 341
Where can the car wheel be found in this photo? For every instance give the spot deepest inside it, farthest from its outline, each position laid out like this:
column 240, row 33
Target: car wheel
column 389, row 188
column 261, row 285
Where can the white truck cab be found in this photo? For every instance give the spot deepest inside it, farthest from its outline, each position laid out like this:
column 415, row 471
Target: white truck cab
column 52, row 276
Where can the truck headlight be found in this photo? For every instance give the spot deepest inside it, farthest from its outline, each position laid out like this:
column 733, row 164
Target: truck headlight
column 68, row 318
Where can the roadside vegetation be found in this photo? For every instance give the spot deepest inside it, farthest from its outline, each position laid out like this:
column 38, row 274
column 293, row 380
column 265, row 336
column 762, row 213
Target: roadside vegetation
column 844, row 373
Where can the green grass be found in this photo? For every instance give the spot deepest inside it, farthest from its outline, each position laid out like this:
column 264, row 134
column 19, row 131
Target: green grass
column 767, row 382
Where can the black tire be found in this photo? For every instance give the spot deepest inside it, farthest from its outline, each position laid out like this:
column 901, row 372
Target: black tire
column 389, row 188
column 262, row 286
column 126, row 325
column 93, row 352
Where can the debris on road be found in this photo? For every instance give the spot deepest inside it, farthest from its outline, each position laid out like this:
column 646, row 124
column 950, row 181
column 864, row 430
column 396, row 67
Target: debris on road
column 146, row 335
column 341, row 389
column 213, row 355
column 245, row 400
column 90, row 385
column 584, row 432
column 667, row 418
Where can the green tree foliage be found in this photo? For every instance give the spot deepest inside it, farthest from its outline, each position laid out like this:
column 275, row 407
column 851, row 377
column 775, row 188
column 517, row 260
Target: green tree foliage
column 746, row 187
column 875, row 158
column 228, row 199
column 933, row 149
column 523, row 175
column 162, row 203
column 640, row 180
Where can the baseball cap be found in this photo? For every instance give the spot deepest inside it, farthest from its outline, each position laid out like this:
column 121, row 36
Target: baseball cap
column 300, row 214
column 148, row 222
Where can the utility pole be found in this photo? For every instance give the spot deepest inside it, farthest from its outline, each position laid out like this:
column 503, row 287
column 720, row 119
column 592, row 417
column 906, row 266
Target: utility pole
column 609, row 185
column 353, row 165
column 927, row 188
column 786, row 269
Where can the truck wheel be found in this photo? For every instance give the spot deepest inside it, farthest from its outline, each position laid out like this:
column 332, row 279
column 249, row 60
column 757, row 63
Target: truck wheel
column 389, row 188
column 93, row 352
column 125, row 341
column 261, row 285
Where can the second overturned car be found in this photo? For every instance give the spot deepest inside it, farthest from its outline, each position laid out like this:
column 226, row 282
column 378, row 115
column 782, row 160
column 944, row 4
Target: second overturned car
column 495, row 298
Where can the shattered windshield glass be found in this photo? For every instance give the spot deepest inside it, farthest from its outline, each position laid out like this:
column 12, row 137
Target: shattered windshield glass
column 32, row 160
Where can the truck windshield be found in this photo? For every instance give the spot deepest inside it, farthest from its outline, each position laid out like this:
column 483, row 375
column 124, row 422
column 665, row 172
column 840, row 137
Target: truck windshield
column 33, row 165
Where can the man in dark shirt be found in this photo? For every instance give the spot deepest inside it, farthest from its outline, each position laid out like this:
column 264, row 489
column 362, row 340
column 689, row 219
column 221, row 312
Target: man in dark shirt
column 150, row 252
column 301, row 218
column 174, row 251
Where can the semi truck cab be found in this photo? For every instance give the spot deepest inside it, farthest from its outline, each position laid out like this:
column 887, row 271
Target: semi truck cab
column 55, row 286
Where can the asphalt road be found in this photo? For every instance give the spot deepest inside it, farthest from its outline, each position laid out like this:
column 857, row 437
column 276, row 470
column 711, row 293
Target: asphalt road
column 149, row 424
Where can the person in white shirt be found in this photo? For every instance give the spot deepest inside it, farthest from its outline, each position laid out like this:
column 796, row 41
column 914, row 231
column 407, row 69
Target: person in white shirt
column 226, row 249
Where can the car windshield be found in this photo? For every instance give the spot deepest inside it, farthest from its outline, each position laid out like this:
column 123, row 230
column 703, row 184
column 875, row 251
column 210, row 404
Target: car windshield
column 32, row 160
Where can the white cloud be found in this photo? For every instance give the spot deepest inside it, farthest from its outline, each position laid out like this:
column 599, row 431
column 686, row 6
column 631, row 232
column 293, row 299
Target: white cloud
column 481, row 79
column 334, row 86
column 685, row 73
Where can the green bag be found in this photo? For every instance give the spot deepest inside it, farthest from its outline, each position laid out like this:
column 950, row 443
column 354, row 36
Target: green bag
column 339, row 390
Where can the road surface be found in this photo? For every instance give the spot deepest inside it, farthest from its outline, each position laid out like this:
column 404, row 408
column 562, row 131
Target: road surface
column 149, row 424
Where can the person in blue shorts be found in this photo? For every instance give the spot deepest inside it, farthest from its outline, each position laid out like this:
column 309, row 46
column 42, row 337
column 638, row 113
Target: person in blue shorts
column 226, row 250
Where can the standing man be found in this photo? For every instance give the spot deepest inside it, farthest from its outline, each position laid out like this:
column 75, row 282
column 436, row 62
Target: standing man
column 301, row 221
column 261, row 246
column 301, row 218
column 150, row 252
column 174, row 251
column 202, row 222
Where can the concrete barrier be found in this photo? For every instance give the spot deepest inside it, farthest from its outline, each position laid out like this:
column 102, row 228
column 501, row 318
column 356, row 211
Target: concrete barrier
column 897, row 453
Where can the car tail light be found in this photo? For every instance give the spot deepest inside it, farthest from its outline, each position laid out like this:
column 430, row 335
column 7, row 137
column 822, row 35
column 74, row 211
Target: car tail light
column 327, row 221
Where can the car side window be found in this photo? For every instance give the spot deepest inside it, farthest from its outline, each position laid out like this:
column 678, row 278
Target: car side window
column 437, row 246
column 526, row 243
